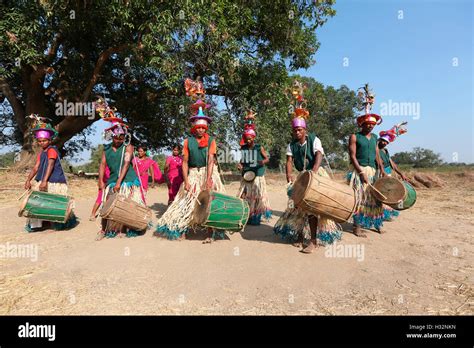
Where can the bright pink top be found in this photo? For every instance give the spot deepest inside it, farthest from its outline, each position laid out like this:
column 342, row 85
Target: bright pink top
column 106, row 174
column 141, row 167
column 175, row 164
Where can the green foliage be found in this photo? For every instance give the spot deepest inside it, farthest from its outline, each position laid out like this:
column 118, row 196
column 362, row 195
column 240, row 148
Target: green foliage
column 418, row 158
column 138, row 53
column 92, row 166
column 161, row 160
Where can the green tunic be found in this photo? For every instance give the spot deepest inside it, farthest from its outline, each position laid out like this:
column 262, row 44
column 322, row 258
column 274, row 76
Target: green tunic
column 113, row 159
column 250, row 159
column 365, row 150
column 385, row 157
column 198, row 155
column 298, row 153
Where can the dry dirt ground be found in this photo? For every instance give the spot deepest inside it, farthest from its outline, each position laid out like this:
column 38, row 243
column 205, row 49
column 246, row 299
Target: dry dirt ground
column 422, row 265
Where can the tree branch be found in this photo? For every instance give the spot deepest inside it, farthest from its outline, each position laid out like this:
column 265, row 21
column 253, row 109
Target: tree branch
column 98, row 68
column 53, row 49
column 17, row 107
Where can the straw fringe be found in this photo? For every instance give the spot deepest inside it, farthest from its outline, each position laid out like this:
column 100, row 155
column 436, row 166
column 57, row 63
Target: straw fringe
column 256, row 195
column 369, row 211
column 294, row 223
column 177, row 220
column 130, row 190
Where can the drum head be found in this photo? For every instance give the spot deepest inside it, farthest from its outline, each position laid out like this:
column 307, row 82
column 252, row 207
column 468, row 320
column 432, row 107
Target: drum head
column 300, row 186
column 23, row 204
column 108, row 205
column 249, row 176
column 392, row 188
column 201, row 211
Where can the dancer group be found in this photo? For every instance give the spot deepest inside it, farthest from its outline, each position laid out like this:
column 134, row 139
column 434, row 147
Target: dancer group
column 125, row 170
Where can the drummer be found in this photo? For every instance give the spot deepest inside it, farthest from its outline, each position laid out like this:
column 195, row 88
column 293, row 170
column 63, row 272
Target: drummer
column 253, row 161
column 199, row 169
column 367, row 167
column 387, row 137
column 305, row 152
column 117, row 157
column 48, row 173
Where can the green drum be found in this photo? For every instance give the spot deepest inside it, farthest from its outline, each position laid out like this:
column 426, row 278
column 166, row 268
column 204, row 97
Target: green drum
column 408, row 201
column 220, row 211
column 46, row 206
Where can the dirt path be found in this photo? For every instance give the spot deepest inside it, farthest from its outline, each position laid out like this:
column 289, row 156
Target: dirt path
column 422, row 265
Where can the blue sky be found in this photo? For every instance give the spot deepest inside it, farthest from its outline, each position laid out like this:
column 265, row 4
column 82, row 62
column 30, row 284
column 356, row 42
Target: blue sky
column 407, row 60
column 422, row 56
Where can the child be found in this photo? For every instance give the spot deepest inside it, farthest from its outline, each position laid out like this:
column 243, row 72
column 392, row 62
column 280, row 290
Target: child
column 48, row 173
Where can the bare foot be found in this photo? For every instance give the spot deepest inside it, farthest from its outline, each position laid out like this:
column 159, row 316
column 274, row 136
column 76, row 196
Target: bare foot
column 208, row 240
column 100, row 235
column 92, row 218
column 297, row 244
column 309, row 249
column 358, row 232
column 380, row 230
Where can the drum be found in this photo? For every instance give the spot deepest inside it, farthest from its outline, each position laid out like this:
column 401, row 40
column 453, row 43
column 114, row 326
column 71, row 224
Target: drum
column 392, row 188
column 410, row 198
column 249, row 176
column 127, row 212
column 318, row 195
column 220, row 211
column 46, row 206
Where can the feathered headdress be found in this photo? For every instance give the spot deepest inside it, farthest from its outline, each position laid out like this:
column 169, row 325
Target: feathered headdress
column 118, row 125
column 195, row 90
column 300, row 114
column 249, row 126
column 394, row 132
column 40, row 128
column 366, row 99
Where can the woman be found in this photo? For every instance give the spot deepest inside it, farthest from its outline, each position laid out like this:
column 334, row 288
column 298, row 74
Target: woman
column 144, row 165
column 174, row 173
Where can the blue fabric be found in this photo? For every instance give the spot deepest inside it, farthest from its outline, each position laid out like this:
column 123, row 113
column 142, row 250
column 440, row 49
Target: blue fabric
column 57, row 175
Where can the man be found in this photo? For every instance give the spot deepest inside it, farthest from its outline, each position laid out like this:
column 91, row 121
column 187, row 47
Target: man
column 367, row 167
column 388, row 164
column 254, row 159
column 305, row 152
column 199, row 173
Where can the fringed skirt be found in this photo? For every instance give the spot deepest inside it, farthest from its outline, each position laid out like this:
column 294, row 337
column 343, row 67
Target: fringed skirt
column 60, row 189
column 293, row 225
column 177, row 220
column 255, row 193
column 130, row 190
column 389, row 213
column 369, row 213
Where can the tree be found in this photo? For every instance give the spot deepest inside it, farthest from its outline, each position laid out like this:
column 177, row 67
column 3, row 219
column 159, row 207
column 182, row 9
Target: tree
column 418, row 158
column 94, row 161
column 424, row 158
column 403, row 158
column 138, row 53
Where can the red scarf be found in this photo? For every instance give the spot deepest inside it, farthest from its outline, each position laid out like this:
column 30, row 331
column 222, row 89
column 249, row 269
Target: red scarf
column 203, row 141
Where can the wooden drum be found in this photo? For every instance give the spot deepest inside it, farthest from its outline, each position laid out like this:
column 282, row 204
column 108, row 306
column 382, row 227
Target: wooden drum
column 127, row 212
column 318, row 195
